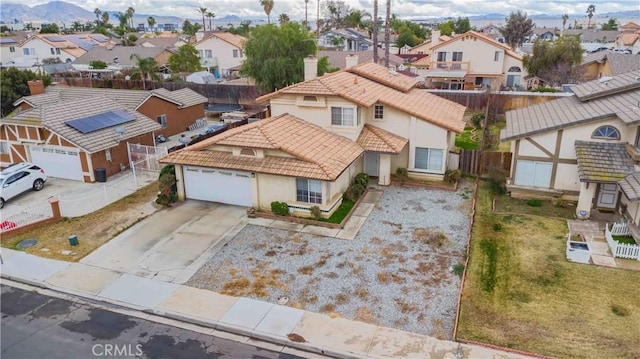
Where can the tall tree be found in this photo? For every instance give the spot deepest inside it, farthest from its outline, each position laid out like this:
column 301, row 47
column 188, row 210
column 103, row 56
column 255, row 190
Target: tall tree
column 105, row 18
column 267, row 5
column 190, row 29
column 50, row 29
column 336, row 11
column 518, row 26
column 591, row 9
column 76, row 26
column 387, row 34
column 211, row 15
column 98, row 13
column 557, row 62
column 458, row 26
column 283, row 19
column 13, row 85
column 130, row 12
column 355, row 18
column 565, row 18
column 612, row 24
column 274, row 56
column 203, row 11
column 152, row 22
column 124, row 23
column 185, row 60
column 375, row 31
column 147, row 68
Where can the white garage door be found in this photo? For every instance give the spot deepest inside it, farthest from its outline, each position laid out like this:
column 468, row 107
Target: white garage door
column 215, row 185
column 58, row 161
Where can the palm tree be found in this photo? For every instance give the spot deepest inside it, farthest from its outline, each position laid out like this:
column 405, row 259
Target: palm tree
column 203, row 11
column 211, row 15
column 387, row 34
column 130, row 12
column 590, row 10
column 98, row 12
column 283, row 19
column 151, row 21
column 306, row 17
column 76, row 26
column 375, row 31
column 105, row 18
column 267, row 5
column 146, row 67
column 123, row 19
column 565, row 18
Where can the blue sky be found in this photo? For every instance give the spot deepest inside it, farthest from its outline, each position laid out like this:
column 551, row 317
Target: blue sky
column 403, row 8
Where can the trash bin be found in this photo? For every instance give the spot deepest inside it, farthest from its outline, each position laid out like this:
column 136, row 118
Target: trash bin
column 73, row 240
column 101, row 174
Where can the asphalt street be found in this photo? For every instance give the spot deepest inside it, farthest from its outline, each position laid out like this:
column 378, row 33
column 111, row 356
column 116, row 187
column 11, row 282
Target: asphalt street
column 38, row 326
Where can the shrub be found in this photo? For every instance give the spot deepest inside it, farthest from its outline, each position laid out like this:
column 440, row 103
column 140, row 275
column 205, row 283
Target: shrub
column 497, row 227
column 167, row 186
column 452, row 176
column 534, row 203
column 315, row 212
column 361, row 178
column 477, row 119
column 619, row 310
column 280, row 208
column 544, row 89
column 402, row 174
column 354, row 192
column 458, row 269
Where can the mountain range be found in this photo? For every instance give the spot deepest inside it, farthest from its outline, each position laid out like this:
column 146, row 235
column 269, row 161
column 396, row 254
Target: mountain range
column 60, row 11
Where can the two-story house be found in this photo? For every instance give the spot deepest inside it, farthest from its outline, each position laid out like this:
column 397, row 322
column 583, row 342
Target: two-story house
column 608, row 63
column 10, row 46
column 322, row 132
column 424, row 48
column 72, row 131
column 121, row 57
column 578, row 147
column 221, row 52
column 66, row 48
column 473, row 61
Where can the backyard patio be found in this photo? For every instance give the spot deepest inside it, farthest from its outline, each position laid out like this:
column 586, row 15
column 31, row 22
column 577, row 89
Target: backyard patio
column 401, row 270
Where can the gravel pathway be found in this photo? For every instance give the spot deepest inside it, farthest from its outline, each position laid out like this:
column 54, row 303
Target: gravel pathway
column 397, row 272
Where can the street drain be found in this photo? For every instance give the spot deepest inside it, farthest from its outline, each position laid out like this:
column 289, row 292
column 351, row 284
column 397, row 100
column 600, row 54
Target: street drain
column 27, row 243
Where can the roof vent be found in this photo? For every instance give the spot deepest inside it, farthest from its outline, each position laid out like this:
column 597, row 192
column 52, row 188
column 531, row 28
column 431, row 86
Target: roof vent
column 605, row 79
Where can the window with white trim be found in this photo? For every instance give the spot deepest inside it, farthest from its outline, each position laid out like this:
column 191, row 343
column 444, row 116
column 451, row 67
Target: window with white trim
column 533, row 174
column 606, row 133
column 309, row 191
column 162, row 120
column 496, row 56
column 342, row 116
column 378, row 112
column 12, row 49
column 4, row 147
column 208, row 54
column 430, row 159
column 236, row 53
column 28, row 51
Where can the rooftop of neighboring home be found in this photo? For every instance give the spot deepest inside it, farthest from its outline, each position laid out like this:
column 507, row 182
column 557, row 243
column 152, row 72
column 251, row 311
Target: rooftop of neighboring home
column 630, row 26
column 122, row 56
column 13, row 38
column 367, row 84
column 619, row 63
column 593, row 35
column 543, row 30
column 75, row 45
column 594, row 100
column 316, row 153
column 339, row 58
column 629, row 38
column 162, row 42
column 234, row 40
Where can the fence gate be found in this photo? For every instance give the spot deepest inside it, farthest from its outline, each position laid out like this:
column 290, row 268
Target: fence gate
column 480, row 163
column 145, row 158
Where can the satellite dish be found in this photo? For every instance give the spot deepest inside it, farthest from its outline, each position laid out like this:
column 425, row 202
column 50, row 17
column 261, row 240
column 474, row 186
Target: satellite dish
column 184, row 140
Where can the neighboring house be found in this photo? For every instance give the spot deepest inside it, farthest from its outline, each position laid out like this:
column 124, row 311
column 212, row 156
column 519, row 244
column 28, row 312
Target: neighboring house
column 608, row 63
column 473, row 61
column 10, row 46
column 322, row 132
column 220, row 52
column 345, row 40
column 38, row 132
column 544, row 34
column 492, row 31
column 425, row 47
column 629, row 41
column 630, row 27
column 164, row 42
column 591, row 39
column 577, row 147
column 339, row 58
column 120, row 57
column 66, row 48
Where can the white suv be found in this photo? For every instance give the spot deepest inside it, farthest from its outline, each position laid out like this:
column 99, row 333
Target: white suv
column 19, row 178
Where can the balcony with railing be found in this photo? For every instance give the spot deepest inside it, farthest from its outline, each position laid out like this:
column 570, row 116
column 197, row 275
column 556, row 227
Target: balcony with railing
column 453, row 66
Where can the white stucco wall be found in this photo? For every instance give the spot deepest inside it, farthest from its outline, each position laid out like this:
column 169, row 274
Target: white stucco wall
column 223, row 52
column 43, row 50
column 567, row 177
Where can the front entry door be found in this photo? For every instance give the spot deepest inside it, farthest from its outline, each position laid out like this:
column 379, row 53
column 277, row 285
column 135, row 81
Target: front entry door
column 608, row 195
column 372, row 163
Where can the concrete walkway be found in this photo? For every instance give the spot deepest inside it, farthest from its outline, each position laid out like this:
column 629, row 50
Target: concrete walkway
column 316, row 333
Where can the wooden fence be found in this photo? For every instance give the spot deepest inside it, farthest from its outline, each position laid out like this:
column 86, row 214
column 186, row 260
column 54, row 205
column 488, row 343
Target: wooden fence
column 480, row 163
column 500, row 101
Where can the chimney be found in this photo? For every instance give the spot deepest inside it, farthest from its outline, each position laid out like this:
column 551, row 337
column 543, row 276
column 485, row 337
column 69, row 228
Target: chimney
column 352, row 60
column 36, row 87
column 310, row 68
column 435, row 37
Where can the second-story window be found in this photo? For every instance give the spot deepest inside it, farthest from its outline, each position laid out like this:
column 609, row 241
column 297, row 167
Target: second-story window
column 342, row 116
column 378, row 112
column 208, row 54
column 12, row 49
column 456, row 56
column 236, row 53
column 496, row 56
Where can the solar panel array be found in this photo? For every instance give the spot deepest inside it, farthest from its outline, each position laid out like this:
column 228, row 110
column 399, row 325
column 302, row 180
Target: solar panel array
column 54, row 38
column 99, row 38
column 100, row 121
column 4, row 40
column 81, row 42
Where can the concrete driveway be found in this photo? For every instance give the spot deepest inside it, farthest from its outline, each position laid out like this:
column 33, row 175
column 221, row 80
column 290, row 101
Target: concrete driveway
column 52, row 188
column 172, row 244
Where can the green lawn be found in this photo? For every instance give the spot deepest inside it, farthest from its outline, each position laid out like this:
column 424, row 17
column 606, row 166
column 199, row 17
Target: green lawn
column 624, row 239
column 520, row 292
column 340, row 213
column 469, row 139
column 506, row 204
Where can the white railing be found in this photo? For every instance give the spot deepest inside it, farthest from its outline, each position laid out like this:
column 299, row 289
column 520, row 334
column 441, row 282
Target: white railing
column 27, row 216
column 621, row 250
column 620, row 229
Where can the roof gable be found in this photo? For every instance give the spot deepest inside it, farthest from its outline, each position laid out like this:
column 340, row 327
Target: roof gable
column 481, row 37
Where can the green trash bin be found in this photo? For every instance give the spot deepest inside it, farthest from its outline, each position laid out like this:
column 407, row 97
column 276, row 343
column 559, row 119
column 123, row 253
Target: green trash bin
column 73, row 240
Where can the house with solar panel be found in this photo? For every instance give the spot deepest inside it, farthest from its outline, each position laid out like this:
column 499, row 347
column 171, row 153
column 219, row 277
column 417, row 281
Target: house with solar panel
column 72, row 131
column 67, row 48
column 10, row 46
column 580, row 147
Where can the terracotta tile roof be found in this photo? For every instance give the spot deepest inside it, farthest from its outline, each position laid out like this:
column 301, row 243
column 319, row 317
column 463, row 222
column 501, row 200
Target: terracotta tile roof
column 317, row 153
column 424, row 61
column 628, row 38
column 339, row 58
column 363, row 88
column 378, row 140
column 630, row 186
column 602, row 162
column 383, row 76
column 235, row 40
column 185, row 97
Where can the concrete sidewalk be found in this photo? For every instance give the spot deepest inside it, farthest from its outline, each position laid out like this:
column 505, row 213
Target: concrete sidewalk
column 316, row 333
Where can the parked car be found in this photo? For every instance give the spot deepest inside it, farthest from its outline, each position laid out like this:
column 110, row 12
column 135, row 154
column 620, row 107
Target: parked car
column 623, row 51
column 19, row 178
column 599, row 49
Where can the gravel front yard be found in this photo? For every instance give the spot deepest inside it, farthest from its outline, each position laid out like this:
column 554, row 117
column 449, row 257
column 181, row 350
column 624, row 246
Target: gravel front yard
column 397, row 272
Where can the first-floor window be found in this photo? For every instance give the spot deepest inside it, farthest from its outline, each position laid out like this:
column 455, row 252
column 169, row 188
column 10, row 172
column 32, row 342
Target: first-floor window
column 309, row 191
column 162, row 120
column 513, row 80
column 429, row 159
column 4, row 147
column 533, row 174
